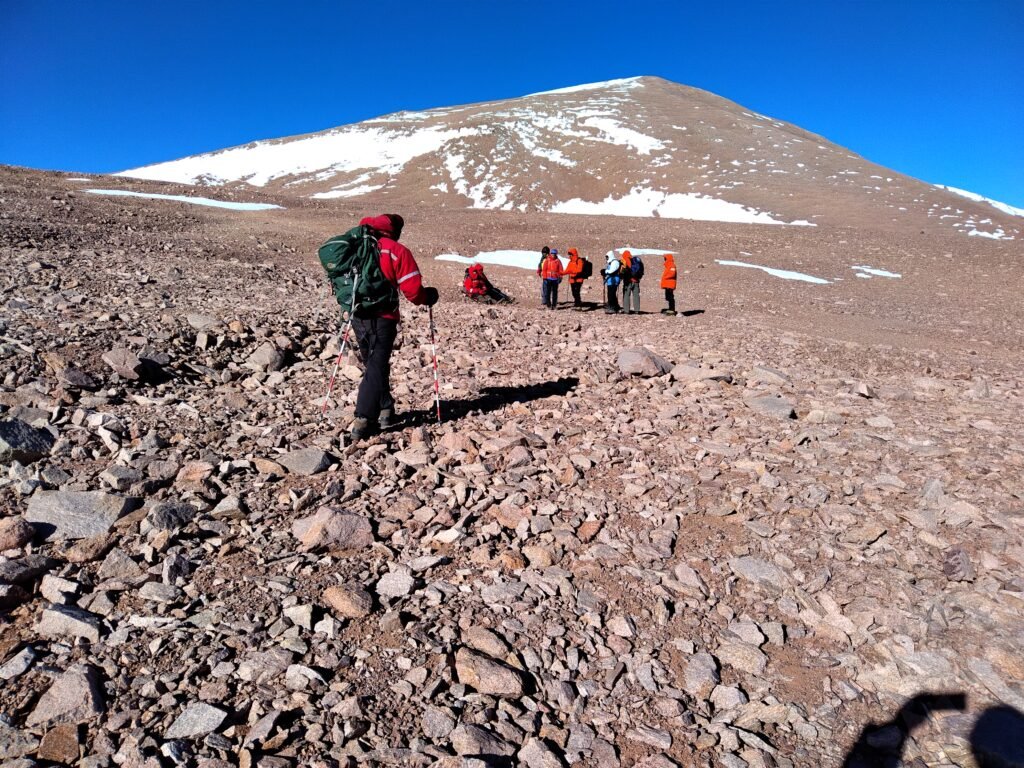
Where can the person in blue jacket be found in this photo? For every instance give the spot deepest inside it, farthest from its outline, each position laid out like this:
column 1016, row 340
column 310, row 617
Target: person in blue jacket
column 610, row 273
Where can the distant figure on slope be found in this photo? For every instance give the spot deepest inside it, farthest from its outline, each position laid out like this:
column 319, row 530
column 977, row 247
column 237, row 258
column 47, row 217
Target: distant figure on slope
column 611, row 276
column 551, row 276
column 576, row 272
column 632, row 274
column 478, row 288
column 668, row 282
column 376, row 330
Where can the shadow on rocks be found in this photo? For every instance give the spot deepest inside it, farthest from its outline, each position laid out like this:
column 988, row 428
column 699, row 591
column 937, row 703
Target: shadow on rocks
column 997, row 738
column 490, row 399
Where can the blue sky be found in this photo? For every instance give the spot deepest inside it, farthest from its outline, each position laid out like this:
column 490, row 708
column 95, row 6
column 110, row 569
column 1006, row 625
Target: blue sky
column 930, row 88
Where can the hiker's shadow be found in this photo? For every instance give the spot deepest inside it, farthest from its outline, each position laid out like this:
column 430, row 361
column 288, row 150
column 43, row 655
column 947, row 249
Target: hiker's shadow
column 997, row 737
column 491, row 399
column 692, row 312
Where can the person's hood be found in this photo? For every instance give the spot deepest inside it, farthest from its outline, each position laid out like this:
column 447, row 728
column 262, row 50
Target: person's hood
column 573, row 253
column 670, row 260
column 476, row 269
column 389, row 224
column 625, row 257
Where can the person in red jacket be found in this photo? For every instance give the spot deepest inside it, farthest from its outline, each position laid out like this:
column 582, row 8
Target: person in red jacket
column 668, row 282
column 477, row 287
column 551, row 276
column 574, row 271
column 376, row 332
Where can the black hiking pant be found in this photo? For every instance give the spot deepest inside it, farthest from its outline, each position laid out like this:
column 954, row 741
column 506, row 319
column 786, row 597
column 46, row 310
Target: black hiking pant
column 670, row 297
column 613, row 298
column 577, row 301
column 550, row 293
column 376, row 339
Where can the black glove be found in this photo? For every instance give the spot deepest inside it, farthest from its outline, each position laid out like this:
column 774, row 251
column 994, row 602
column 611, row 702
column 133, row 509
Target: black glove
column 430, row 296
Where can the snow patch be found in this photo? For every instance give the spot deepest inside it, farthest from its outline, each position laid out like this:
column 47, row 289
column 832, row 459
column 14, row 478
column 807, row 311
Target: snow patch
column 642, row 202
column 518, row 259
column 621, row 84
column 785, row 274
column 871, row 271
column 343, row 150
column 999, row 234
column 614, row 132
column 1010, row 209
column 185, row 199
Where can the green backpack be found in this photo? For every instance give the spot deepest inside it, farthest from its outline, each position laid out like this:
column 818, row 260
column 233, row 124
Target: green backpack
column 352, row 263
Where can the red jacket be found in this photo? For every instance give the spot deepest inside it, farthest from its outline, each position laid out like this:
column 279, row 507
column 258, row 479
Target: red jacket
column 475, row 283
column 551, row 269
column 397, row 264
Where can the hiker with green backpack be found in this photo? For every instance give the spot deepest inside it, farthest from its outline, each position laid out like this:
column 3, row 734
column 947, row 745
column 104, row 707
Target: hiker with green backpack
column 367, row 267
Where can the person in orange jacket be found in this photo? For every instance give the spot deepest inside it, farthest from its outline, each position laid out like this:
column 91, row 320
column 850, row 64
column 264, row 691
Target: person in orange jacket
column 668, row 282
column 574, row 271
column 551, row 276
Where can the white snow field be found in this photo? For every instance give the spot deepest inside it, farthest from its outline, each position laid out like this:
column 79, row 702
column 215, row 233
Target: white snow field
column 620, row 85
column 351, row 148
column 874, row 272
column 999, row 234
column 785, row 274
column 1010, row 209
column 185, row 199
column 518, row 259
column 646, row 203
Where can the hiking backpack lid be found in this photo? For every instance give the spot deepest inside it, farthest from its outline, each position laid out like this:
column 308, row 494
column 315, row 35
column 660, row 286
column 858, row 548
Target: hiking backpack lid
column 352, row 264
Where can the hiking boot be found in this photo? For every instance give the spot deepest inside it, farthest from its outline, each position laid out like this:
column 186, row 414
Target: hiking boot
column 671, row 312
column 388, row 418
column 361, row 429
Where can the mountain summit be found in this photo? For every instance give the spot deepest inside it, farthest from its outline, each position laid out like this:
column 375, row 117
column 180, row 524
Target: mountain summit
column 640, row 146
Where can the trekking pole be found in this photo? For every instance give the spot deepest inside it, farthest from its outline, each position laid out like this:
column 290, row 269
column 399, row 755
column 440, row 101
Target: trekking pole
column 344, row 341
column 433, row 349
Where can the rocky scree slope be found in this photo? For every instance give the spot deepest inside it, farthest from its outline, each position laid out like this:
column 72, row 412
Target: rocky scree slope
column 733, row 550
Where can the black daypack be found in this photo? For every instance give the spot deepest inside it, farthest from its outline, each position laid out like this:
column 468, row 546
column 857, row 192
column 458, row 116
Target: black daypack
column 636, row 267
column 587, row 271
column 352, row 263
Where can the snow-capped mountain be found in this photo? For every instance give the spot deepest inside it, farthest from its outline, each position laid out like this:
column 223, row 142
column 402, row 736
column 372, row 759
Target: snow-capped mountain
column 633, row 147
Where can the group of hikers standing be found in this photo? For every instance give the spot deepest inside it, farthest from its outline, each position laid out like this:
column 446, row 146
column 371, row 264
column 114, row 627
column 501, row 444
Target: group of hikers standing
column 551, row 272
column 368, row 268
column 626, row 270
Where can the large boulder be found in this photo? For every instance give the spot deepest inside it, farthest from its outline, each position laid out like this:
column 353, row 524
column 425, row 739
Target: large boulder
column 197, row 719
column 306, row 461
column 15, row 533
column 772, row 406
column 333, row 530
column 63, row 515
column 267, row 357
column 124, row 363
column 487, row 675
column 22, row 442
column 640, row 361
column 75, row 697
